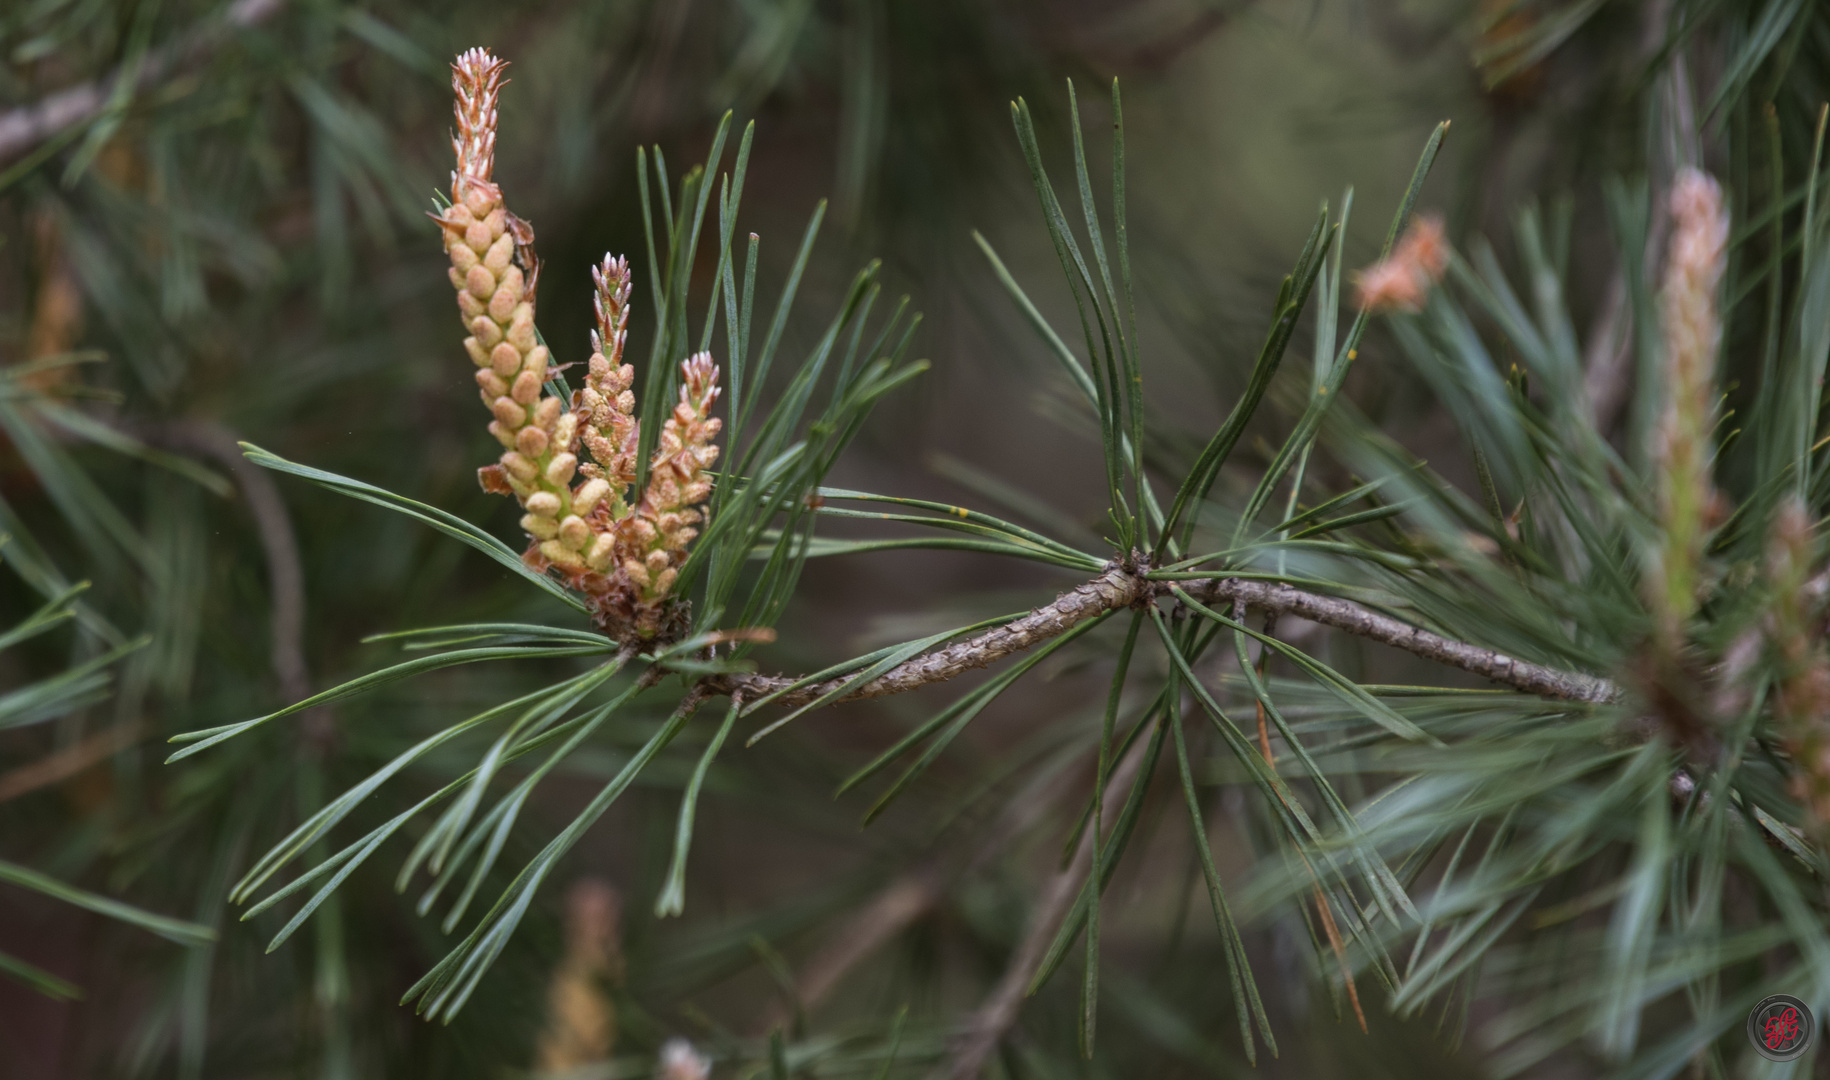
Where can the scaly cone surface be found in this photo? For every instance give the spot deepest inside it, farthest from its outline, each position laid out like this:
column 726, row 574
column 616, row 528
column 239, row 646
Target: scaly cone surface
column 623, row 558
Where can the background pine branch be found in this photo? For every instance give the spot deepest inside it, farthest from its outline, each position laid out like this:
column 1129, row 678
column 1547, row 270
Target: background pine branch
column 227, row 242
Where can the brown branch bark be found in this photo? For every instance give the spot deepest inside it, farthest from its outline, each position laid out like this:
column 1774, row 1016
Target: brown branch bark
column 1116, row 588
column 26, row 127
column 892, row 910
column 1120, row 587
column 67, row 762
column 912, row 894
column 985, row 1028
column 1359, row 621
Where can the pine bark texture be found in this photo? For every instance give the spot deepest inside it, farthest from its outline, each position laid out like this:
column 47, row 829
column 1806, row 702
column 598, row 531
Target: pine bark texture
column 1352, row 618
column 1120, row 587
column 1116, row 588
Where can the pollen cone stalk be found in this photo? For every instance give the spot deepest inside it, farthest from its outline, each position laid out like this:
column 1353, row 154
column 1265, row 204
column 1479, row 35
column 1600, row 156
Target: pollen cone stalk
column 623, row 558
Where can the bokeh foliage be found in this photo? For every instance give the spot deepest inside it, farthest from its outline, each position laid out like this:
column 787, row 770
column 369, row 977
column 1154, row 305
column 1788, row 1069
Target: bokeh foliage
column 245, row 232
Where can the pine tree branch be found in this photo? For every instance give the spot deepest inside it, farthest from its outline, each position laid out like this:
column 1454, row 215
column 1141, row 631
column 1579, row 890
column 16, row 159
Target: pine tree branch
column 911, row 895
column 285, row 570
column 1607, row 368
column 1347, row 616
column 272, row 522
column 1608, row 360
column 1122, row 587
column 1116, row 588
column 985, row 1028
column 68, row 762
column 898, row 905
column 26, row 127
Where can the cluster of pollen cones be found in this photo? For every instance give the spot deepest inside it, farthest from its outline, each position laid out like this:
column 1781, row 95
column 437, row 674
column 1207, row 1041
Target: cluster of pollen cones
column 620, row 549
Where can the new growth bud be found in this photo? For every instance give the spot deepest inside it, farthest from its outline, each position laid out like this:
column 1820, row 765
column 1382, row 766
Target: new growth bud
column 621, row 551
column 1801, row 698
column 492, row 259
column 1402, row 280
column 1681, row 448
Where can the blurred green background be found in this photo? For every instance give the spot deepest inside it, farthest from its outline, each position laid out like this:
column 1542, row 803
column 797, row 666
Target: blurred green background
column 233, row 242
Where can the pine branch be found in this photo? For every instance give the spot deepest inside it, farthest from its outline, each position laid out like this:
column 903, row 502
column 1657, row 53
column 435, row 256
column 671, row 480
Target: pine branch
column 1347, row 616
column 28, row 126
column 285, row 570
column 907, row 898
column 1121, row 587
column 914, row 893
column 1116, row 588
column 985, row 1028
column 68, row 762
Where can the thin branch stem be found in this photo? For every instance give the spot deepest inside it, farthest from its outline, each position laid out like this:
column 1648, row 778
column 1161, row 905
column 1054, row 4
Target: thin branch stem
column 1116, row 588
column 285, row 571
column 985, row 1028
column 911, row 895
column 68, row 762
column 285, row 574
column 1264, row 669
column 1347, row 616
column 906, row 899
column 28, row 126
column 1120, row 586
